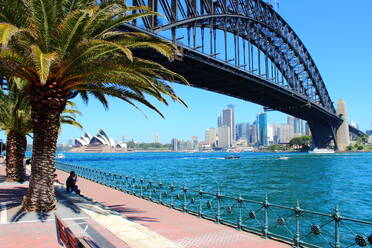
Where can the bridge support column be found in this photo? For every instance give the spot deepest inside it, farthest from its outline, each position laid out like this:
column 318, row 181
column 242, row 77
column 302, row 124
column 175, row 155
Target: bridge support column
column 323, row 133
column 343, row 136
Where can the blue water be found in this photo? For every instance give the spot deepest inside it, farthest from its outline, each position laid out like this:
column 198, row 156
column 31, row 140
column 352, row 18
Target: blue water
column 319, row 182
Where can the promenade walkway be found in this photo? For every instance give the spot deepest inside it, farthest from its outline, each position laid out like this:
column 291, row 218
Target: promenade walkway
column 184, row 230
column 113, row 219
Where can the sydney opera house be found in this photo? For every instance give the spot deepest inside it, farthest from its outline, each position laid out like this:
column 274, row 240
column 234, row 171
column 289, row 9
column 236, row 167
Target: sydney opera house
column 101, row 142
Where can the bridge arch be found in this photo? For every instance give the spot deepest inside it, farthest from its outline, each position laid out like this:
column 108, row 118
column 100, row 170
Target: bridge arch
column 255, row 22
column 251, row 24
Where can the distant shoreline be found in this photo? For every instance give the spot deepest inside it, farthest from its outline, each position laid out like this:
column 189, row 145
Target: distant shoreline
column 162, row 151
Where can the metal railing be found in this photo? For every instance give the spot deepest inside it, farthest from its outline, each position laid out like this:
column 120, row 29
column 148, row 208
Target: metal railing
column 300, row 227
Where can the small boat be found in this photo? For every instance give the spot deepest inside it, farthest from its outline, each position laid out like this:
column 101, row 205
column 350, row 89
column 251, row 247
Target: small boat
column 322, row 151
column 60, row 155
column 283, row 158
column 232, row 157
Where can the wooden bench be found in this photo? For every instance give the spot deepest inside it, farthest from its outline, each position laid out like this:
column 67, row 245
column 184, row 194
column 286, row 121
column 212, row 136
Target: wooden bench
column 69, row 240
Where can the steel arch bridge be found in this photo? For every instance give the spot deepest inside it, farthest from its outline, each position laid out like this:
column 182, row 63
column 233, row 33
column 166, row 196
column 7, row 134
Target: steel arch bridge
column 244, row 49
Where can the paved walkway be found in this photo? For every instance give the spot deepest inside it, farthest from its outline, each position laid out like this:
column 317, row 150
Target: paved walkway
column 113, row 219
column 183, row 229
column 31, row 230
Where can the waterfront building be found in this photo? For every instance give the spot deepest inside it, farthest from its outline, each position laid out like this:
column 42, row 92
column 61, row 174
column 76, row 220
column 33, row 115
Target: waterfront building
column 101, row 142
column 262, row 129
column 224, row 138
column 210, row 136
column 370, row 139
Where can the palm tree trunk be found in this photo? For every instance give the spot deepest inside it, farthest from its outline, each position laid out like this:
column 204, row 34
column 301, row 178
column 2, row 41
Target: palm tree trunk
column 15, row 153
column 47, row 106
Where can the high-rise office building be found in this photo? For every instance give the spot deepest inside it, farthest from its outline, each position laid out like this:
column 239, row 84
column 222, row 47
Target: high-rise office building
column 227, row 119
column 210, row 136
column 174, row 144
column 195, row 142
column 219, row 121
column 262, row 129
column 253, row 133
column 307, row 129
column 224, row 138
column 242, row 131
column 298, row 126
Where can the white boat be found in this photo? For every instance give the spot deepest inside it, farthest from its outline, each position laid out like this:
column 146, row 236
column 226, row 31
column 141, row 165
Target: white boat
column 322, row 151
column 283, row 158
column 60, row 155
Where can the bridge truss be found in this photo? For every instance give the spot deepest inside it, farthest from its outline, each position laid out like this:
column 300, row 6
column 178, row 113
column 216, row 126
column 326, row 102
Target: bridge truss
column 265, row 60
column 247, row 34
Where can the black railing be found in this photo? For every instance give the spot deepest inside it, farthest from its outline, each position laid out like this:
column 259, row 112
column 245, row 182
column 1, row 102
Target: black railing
column 300, row 227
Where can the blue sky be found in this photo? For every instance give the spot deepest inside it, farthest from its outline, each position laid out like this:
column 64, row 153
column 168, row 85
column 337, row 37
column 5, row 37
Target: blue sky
column 336, row 33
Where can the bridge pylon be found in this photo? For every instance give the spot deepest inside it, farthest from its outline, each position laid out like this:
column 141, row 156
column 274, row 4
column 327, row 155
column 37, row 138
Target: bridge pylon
column 324, row 133
column 343, row 135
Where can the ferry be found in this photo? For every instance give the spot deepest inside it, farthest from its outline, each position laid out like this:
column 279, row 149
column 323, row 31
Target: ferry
column 322, row 151
column 283, row 158
column 232, row 157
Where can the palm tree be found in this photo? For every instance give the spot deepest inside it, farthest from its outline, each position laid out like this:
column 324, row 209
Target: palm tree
column 15, row 120
column 68, row 47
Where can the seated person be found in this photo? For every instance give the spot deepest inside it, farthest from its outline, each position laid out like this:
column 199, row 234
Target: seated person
column 71, row 183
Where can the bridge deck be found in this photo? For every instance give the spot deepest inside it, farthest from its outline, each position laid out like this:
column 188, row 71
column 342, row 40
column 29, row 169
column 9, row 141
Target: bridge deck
column 183, row 229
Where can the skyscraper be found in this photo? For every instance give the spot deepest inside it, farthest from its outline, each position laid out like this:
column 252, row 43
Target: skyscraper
column 195, row 142
column 242, row 131
column 263, row 129
column 227, row 119
column 307, row 129
column 253, row 133
column 298, row 126
column 224, row 139
column 210, row 136
column 219, row 121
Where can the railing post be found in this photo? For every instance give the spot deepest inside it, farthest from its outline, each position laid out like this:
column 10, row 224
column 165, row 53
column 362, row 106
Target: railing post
column 240, row 202
column 126, row 184
column 160, row 188
column 141, row 185
column 171, row 195
column 200, row 202
column 297, row 238
column 218, row 195
column 150, row 189
column 133, row 181
column 184, row 189
column 337, row 219
column 266, row 217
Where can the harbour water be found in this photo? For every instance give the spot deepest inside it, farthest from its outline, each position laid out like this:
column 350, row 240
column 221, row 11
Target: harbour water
column 319, row 182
